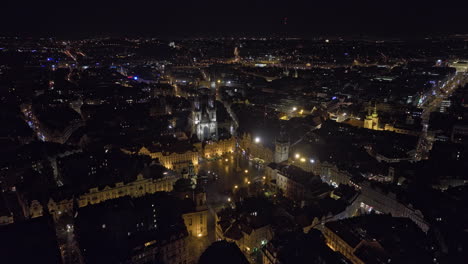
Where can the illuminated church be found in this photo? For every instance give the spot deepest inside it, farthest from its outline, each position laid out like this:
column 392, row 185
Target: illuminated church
column 204, row 123
column 372, row 119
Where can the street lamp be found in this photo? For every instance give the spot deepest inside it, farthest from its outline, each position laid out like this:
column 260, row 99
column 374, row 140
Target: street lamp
column 312, row 161
column 257, row 140
column 246, row 171
column 294, row 108
column 236, row 186
column 297, row 155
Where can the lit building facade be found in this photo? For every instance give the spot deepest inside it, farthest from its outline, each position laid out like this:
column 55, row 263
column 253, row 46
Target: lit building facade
column 197, row 221
column 218, row 148
column 140, row 187
column 335, row 242
column 372, row 120
column 173, row 160
column 204, row 123
column 248, row 239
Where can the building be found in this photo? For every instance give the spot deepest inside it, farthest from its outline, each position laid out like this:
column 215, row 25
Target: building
column 196, row 218
column 281, row 148
column 300, row 248
column 444, row 105
column 459, row 133
column 248, row 225
column 460, row 66
column 179, row 157
column 149, row 181
column 291, row 180
column 372, row 239
column 204, row 124
column 176, row 159
column 218, row 148
column 147, row 229
column 372, row 119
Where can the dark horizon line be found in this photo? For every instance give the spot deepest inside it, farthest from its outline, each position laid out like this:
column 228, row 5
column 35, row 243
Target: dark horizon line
column 239, row 34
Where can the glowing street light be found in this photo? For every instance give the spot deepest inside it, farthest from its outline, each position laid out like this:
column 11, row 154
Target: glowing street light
column 236, row 186
column 297, row 155
column 257, row 140
column 294, row 108
column 229, row 199
column 312, row 161
column 246, row 171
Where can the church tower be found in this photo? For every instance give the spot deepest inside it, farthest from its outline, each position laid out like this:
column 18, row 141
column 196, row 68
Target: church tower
column 204, row 123
column 281, row 148
column 372, row 119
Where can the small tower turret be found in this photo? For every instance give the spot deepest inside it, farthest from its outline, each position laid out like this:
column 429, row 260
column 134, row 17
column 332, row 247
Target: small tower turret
column 282, row 147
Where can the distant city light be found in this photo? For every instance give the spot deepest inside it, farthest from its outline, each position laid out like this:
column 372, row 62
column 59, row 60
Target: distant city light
column 312, row 161
column 294, row 108
column 257, row 140
column 135, row 78
column 334, row 98
column 297, row 155
column 303, row 159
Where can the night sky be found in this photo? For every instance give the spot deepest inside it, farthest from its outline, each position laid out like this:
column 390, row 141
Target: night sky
column 207, row 17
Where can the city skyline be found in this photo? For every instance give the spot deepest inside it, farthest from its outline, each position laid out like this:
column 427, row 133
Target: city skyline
column 236, row 132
